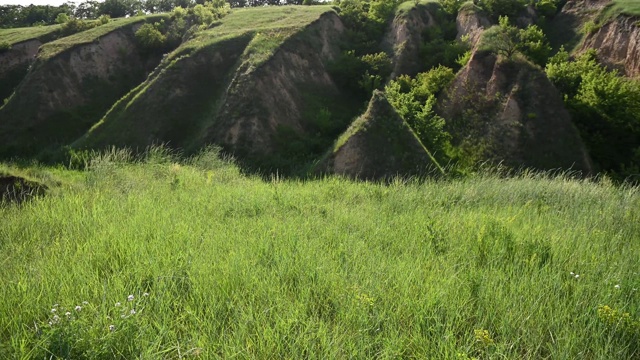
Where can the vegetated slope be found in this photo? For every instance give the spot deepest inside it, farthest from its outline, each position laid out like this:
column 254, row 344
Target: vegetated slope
column 378, row 145
column 24, row 44
column 240, row 84
column 618, row 44
column 508, row 111
column 73, row 81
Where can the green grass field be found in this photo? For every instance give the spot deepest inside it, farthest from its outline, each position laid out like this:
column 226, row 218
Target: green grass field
column 190, row 259
column 16, row 35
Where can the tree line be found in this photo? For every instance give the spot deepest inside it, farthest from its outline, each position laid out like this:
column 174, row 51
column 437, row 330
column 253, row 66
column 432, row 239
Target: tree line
column 12, row 16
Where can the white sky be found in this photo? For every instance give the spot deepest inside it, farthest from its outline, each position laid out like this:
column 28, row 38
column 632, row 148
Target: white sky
column 35, row 2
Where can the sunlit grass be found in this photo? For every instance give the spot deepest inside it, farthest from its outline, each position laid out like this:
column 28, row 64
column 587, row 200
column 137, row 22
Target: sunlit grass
column 16, row 35
column 239, row 267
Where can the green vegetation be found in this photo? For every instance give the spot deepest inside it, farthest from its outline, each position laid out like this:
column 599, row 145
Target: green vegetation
column 17, row 35
column 54, row 48
column 620, row 7
column 606, row 108
column 505, row 39
column 162, row 258
column 414, row 100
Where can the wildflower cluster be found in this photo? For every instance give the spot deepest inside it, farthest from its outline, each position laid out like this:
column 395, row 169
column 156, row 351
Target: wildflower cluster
column 64, row 333
column 622, row 321
column 483, row 338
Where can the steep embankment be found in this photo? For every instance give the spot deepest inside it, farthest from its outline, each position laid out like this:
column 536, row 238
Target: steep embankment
column 567, row 27
column 23, row 46
column 404, row 38
column 237, row 85
column 378, row 145
column 73, row 81
column 618, row 44
column 508, row 111
column 471, row 22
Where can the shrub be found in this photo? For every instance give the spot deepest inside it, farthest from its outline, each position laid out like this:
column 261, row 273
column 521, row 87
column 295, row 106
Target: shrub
column 415, row 99
column 75, row 25
column 149, row 37
column 62, row 18
column 104, row 19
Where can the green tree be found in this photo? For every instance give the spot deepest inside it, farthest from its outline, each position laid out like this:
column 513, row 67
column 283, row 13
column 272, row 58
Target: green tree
column 605, row 106
column 506, row 39
column 62, row 18
column 497, row 8
column 415, row 99
column 149, row 37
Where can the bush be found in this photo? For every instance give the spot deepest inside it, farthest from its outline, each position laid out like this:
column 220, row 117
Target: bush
column 75, row 25
column 606, row 108
column 149, row 37
column 497, row 8
column 414, row 100
column 62, row 18
column 104, row 19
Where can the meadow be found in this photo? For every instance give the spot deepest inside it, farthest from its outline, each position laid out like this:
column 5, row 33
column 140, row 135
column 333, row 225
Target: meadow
column 162, row 257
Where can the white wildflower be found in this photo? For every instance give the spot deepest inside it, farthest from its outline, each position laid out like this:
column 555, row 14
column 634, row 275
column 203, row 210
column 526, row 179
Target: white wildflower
column 572, row 273
column 577, row 276
column 67, row 313
column 56, row 318
column 145, row 294
column 78, row 308
column 54, row 310
column 112, row 327
column 130, row 298
column 617, row 287
column 133, row 312
column 118, row 304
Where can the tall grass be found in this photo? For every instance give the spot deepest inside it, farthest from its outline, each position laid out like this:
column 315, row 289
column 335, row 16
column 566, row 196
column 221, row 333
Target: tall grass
column 219, row 265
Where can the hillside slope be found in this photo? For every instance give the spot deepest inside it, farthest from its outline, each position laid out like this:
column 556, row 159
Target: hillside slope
column 239, row 85
column 508, row 111
column 72, row 82
column 378, row 145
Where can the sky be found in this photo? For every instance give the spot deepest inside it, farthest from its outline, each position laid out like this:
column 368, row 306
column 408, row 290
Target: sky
column 34, row 2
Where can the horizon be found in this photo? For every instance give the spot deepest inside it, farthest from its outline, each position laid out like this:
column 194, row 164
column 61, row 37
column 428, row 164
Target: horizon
column 35, row 2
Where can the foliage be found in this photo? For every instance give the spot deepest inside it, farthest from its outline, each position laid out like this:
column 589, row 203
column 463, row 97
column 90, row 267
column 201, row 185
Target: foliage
column 606, row 107
column 440, row 46
column 104, row 19
column 415, row 99
column 366, row 21
column 548, row 8
column 486, row 266
column 149, row 37
column 74, row 26
column 505, row 39
column 361, row 74
column 497, row 8
column 62, row 18
column 451, row 6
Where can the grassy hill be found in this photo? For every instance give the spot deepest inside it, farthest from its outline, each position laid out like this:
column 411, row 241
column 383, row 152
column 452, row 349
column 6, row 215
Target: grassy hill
column 169, row 258
column 16, row 35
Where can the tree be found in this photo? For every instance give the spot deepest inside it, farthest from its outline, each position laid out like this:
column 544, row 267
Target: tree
column 62, row 18
column 505, row 39
column 501, row 39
